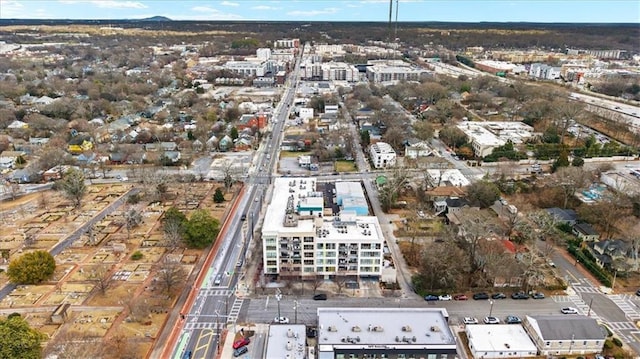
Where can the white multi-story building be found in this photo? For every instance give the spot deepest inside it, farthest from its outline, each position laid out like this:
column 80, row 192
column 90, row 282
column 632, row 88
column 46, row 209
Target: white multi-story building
column 287, row 43
column 382, row 155
column 299, row 241
column 393, row 70
column 329, row 71
column 545, row 72
column 263, row 53
column 486, row 136
column 247, row 68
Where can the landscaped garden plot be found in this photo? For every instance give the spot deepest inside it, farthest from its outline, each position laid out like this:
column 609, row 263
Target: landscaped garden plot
column 25, row 295
column 72, row 293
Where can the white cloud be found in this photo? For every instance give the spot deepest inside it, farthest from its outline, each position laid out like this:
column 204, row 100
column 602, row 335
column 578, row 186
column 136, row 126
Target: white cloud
column 107, row 4
column 11, row 9
column 113, row 4
column 265, row 7
column 229, row 3
column 309, row 13
column 207, row 13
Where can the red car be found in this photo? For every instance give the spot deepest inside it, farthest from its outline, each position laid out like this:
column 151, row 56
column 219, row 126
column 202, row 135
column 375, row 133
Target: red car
column 241, row 342
column 460, row 297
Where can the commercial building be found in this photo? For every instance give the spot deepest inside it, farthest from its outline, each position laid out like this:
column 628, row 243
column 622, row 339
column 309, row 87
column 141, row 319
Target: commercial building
column 565, row 335
column 386, row 71
column 350, row 197
column 487, row 135
column 301, row 238
column 544, row 71
column 247, row 68
column 350, row 333
column 382, row 155
column 329, row 71
column 500, row 341
column 286, row 341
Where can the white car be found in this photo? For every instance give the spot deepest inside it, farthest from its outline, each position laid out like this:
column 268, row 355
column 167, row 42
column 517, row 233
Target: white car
column 281, row 320
column 470, row 320
column 445, row 297
column 569, row 310
column 491, row 320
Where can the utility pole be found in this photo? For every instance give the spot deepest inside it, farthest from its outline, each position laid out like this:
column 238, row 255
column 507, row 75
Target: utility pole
column 278, row 298
column 295, row 312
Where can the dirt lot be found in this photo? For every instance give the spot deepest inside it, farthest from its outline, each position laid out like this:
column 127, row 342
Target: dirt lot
column 112, row 296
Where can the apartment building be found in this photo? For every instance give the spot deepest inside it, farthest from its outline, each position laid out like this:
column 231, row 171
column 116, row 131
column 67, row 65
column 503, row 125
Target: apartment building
column 302, row 238
column 385, row 71
column 287, row 43
column 329, row 71
column 486, row 136
column 382, row 155
column 544, row 71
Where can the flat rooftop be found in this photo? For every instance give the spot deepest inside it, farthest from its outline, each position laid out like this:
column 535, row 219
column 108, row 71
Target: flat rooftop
column 480, row 135
column 286, row 341
column 501, row 337
column 415, row 328
column 283, row 189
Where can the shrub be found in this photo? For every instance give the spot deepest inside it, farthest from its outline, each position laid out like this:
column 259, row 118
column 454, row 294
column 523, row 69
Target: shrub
column 617, row 342
column 137, row 255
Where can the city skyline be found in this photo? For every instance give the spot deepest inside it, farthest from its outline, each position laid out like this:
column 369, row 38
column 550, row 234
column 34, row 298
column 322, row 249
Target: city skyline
column 542, row 11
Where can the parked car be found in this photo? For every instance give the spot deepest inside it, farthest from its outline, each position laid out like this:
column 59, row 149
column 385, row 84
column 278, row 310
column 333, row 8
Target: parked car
column 538, row 295
column 320, row 296
column 519, row 295
column 187, row 354
column 445, row 297
column 240, row 351
column 491, row 320
column 431, row 297
column 569, row 310
column 470, row 320
column 479, row 296
column 638, row 292
column 243, row 217
column 460, row 297
column 512, row 319
column 241, row 342
column 281, row 320
column 498, row 296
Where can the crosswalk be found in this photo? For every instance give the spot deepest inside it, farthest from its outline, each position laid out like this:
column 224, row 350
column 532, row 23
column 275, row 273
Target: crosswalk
column 622, row 325
column 624, row 302
column 582, row 289
column 235, row 310
column 220, row 292
column 205, row 325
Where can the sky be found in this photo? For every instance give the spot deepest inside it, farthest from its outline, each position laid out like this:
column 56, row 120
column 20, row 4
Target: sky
column 550, row 11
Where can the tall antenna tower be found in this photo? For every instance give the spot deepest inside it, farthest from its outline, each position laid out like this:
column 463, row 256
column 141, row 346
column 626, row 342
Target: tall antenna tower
column 390, row 14
column 395, row 33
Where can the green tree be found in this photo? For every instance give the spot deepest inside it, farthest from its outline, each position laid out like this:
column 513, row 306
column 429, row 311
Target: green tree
column 201, row 230
column 561, row 161
column 31, row 268
column 365, row 138
column 218, row 196
column 577, row 162
column 234, row 132
column 73, row 186
column 18, row 340
column 483, row 193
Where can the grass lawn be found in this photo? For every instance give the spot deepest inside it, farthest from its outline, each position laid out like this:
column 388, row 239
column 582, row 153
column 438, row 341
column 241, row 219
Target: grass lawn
column 284, row 154
column 345, row 166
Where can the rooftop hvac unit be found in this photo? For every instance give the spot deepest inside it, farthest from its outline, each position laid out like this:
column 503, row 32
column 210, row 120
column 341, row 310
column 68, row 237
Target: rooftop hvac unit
column 355, row 328
column 332, row 328
column 406, row 328
column 378, row 328
column 289, row 346
column 289, row 333
column 435, row 329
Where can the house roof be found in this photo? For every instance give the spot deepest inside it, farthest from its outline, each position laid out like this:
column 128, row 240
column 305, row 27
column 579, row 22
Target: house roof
column 563, row 327
column 585, row 228
column 614, row 247
column 447, row 191
column 563, row 214
column 456, row 202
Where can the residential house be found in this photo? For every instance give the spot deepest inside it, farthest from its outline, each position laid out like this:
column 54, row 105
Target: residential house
column 454, row 206
column 585, row 232
column 613, row 254
column 419, row 149
column 226, row 143
column 567, row 216
column 439, row 195
column 172, row 156
column 565, row 335
column 168, row 146
column 17, row 125
column 8, row 159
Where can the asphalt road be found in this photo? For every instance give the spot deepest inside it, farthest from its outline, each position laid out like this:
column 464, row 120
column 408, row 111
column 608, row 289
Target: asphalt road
column 216, row 303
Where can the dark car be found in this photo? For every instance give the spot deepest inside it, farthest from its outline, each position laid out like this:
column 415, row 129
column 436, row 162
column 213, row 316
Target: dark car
column 498, row 296
column 479, row 296
column 519, row 295
column 512, row 319
column 638, row 292
column 538, row 295
column 321, row 296
column 460, row 297
column 243, row 217
column 431, row 297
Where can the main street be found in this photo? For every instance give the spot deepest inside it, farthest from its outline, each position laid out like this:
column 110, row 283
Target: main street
column 216, row 304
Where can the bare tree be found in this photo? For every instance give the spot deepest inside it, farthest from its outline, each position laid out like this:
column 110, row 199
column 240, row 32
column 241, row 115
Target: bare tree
column 120, row 347
column 567, row 113
column 101, row 276
column 170, row 274
column 73, row 345
column 340, row 280
column 630, row 229
column 73, row 186
column 13, row 189
column 229, row 175
column 569, row 180
column 316, row 283
column 132, row 219
column 444, row 266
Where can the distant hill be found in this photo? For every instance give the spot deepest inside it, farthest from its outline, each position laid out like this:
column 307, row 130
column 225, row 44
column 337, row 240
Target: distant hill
column 156, row 18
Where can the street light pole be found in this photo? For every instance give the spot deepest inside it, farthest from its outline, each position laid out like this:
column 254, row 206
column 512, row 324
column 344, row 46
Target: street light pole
column 613, row 284
column 491, row 308
column 278, row 298
column 295, row 312
column 590, row 302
